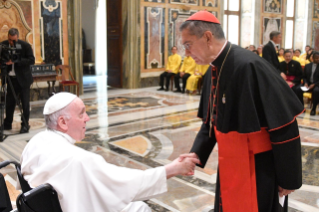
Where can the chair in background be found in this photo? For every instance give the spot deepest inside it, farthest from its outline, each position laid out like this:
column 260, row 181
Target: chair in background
column 65, row 78
column 88, row 64
column 308, row 96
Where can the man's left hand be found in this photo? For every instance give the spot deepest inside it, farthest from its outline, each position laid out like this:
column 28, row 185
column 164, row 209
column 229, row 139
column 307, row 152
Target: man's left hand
column 284, row 192
column 9, row 63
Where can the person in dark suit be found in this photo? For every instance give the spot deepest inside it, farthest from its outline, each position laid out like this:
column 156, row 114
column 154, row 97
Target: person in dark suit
column 21, row 78
column 311, row 81
column 269, row 50
column 291, row 71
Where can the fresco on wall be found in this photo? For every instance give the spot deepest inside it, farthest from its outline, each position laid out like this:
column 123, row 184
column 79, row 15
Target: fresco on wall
column 51, row 31
column 12, row 16
column 272, row 6
column 315, row 37
column 269, row 25
column 190, row 2
column 316, row 9
column 176, row 18
column 210, row 3
column 154, row 37
column 158, row 1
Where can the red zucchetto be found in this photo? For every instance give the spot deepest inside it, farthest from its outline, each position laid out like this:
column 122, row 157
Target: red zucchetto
column 203, row 16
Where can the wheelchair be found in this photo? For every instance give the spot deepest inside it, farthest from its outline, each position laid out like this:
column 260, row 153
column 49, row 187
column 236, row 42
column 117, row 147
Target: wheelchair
column 40, row 199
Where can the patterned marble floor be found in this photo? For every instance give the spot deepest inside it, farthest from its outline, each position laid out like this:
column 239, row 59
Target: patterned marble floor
column 145, row 128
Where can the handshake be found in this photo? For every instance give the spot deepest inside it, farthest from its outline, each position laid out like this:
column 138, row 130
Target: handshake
column 183, row 165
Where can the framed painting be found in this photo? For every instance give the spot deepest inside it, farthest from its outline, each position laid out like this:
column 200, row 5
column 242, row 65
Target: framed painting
column 269, row 25
column 272, row 6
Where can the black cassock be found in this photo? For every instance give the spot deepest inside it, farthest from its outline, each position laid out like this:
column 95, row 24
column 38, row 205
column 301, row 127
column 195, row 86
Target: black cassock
column 255, row 105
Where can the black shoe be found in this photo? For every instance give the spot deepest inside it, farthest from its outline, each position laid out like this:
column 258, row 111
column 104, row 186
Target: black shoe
column 177, row 91
column 160, row 89
column 24, row 129
column 166, row 89
column 312, row 112
column 7, row 127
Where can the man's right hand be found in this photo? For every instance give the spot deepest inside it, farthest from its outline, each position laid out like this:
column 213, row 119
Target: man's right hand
column 177, row 167
column 169, row 71
column 188, row 155
column 311, row 86
column 9, row 63
column 283, row 76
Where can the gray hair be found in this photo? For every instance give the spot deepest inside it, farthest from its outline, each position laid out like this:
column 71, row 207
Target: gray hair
column 13, row 32
column 51, row 120
column 274, row 34
column 198, row 28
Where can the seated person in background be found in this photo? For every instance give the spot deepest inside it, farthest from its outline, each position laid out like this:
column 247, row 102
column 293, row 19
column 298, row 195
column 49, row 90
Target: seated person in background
column 192, row 82
column 309, row 58
column 186, row 71
column 291, row 71
column 252, row 47
column 281, row 55
column 260, row 50
column 256, row 52
column 311, row 81
column 304, row 55
column 83, row 180
column 172, row 67
column 296, row 56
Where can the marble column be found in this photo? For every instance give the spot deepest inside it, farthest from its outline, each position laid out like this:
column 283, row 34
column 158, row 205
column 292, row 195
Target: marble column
column 247, row 24
column 300, row 31
column 131, row 44
column 257, row 32
column 75, row 41
column 310, row 41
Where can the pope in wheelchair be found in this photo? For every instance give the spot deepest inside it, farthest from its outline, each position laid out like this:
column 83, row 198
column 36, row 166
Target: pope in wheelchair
column 84, row 181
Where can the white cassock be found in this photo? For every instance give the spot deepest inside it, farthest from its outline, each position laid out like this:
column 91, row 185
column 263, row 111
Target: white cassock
column 84, row 180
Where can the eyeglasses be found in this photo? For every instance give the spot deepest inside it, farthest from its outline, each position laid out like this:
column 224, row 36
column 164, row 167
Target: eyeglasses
column 187, row 46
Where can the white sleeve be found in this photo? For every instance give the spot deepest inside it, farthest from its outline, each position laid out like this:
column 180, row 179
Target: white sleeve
column 154, row 183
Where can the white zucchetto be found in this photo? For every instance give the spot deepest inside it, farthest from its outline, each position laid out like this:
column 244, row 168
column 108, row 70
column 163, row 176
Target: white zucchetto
column 57, row 102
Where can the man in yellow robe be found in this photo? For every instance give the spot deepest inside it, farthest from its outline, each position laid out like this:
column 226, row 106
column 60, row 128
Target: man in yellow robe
column 172, row 67
column 186, row 71
column 192, row 82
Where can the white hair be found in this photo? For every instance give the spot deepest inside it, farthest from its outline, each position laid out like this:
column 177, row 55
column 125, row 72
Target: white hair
column 51, row 120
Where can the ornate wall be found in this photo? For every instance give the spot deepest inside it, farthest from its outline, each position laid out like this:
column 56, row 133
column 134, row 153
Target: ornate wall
column 41, row 23
column 272, row 18
column 315, row 25
column 160, row 21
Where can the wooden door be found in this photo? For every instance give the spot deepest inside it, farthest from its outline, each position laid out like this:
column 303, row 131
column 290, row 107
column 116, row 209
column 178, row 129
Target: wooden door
column 114, row 43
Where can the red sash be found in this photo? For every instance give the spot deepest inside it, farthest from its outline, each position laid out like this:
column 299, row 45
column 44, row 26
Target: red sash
column 237, row 168
column 290, row 79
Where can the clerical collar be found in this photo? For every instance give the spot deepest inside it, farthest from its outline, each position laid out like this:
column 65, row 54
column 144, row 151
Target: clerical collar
column 221, row 55
column 66, row 136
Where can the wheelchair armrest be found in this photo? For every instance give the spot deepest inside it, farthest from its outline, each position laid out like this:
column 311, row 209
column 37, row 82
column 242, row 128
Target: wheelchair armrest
column 7, row 162
column 41, row 188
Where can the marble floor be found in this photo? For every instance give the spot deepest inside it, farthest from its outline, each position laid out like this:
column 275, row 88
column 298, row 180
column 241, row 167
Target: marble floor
column 144, row 128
